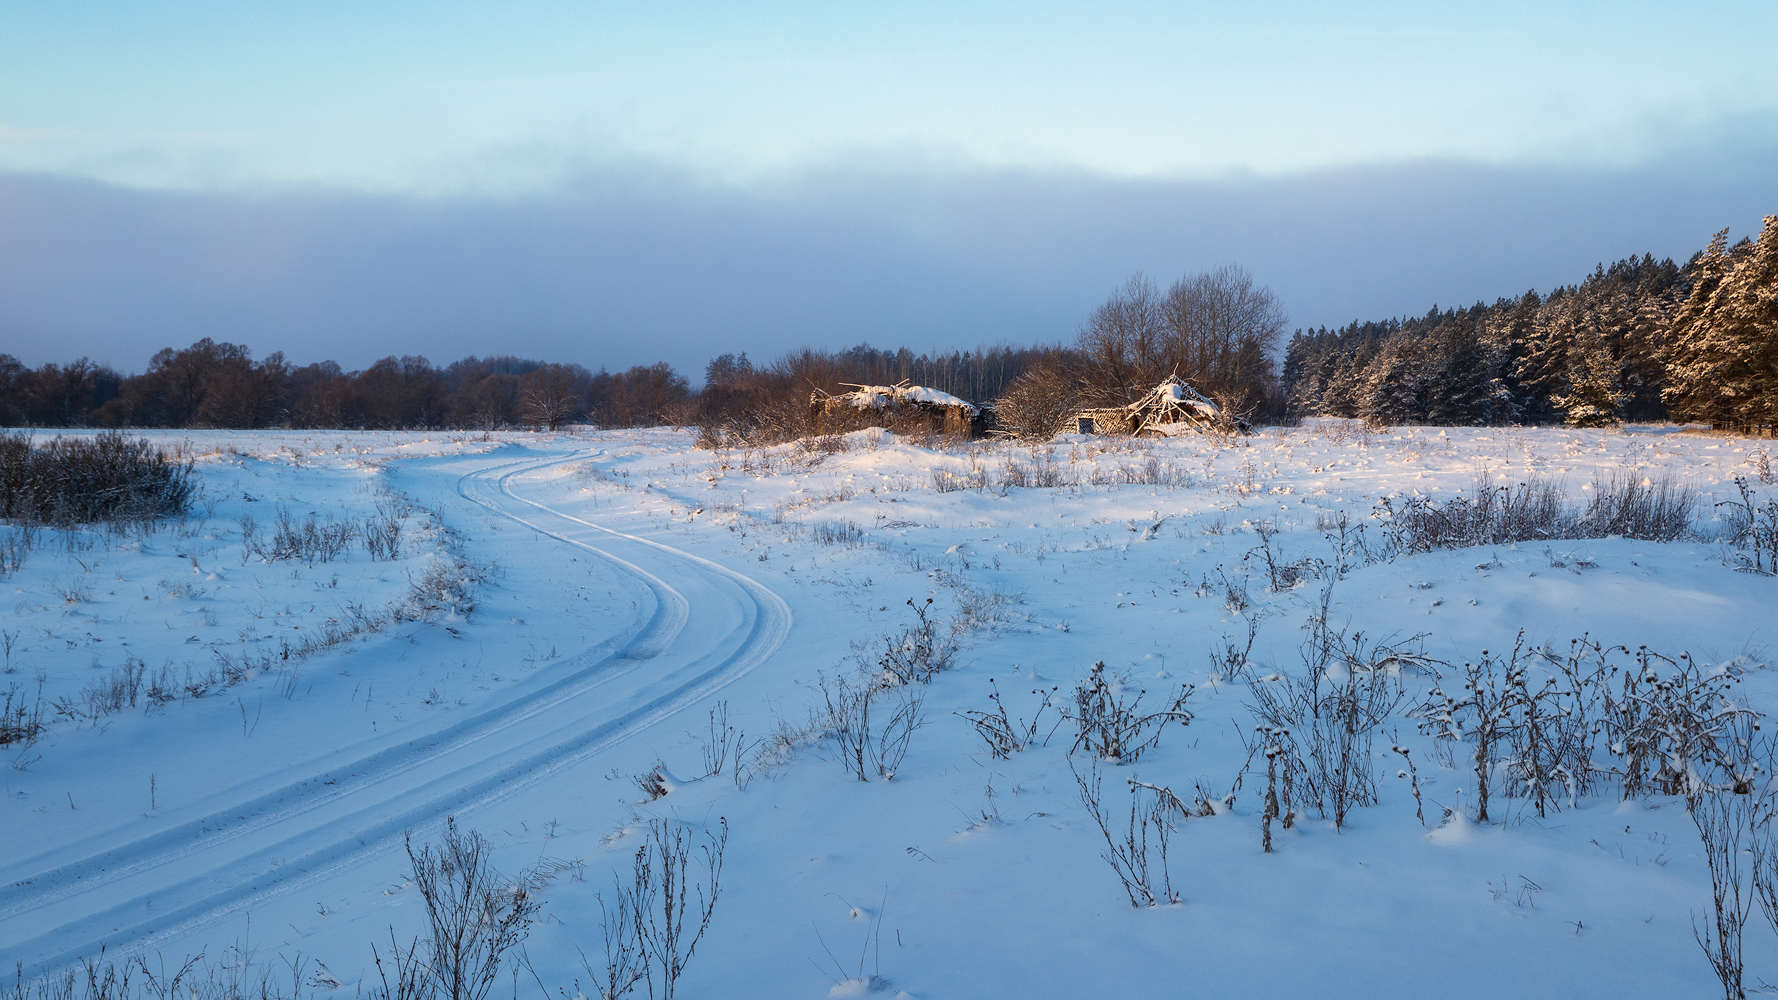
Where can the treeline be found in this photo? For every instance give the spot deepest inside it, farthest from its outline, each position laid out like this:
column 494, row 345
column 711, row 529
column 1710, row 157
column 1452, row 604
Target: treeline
column 220, row 385
column 212, row 384
column 1641, row 340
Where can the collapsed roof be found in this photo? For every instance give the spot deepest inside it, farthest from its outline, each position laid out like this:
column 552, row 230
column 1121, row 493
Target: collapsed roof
column 1172, row 407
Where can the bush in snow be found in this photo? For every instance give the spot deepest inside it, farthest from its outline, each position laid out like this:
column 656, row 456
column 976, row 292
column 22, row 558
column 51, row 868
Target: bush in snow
column 652, row 925
column 1752, row 525
column 1003, row 736
column 311, row 539
column 867, row 748
column 107, row 477
column 1113, row 725
column 1323, row 723
column 918, row 653
column 21, row 719
column 1138, row 853
column 1538, row 510
column 1733, row 811
column 474, row 917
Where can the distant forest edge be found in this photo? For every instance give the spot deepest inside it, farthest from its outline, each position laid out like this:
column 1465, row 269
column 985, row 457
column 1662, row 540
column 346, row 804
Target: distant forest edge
column 1640, row 340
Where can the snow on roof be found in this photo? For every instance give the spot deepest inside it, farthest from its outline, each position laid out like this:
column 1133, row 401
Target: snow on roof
column 875, row 397
column 922, row 394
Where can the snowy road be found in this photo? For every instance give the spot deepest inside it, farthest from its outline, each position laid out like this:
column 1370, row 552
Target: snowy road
column 698, row 627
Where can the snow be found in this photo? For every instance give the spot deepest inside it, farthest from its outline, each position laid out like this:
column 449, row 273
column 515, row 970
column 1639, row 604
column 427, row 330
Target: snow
column 641, row 581
column 924, row 394
column 875, row 397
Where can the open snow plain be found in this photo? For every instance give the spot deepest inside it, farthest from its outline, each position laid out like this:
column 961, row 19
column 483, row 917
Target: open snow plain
column 239, row 738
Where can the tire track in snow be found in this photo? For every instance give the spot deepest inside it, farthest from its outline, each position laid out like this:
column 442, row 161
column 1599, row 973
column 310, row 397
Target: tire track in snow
column 357, row 835
column 289, row 801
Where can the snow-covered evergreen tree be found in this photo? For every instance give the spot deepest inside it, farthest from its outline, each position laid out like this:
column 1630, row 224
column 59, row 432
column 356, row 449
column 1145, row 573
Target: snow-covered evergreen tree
column 1723, row 357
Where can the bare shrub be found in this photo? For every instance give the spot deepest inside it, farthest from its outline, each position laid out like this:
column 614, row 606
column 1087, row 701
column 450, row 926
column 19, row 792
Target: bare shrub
column 1282, row 576
column 1037, row 404
column 16, row 542
column 114, row 692
column 449, row 586
column 867, row 748
column 1324, row 721
column 1541, row 732
column 1725, row 828
column 1733, row 816
column 918, row 653
column 1043, row 472
column 890, row 746
column 724, row 741
column 626, row 964
column 655, row 782
column 847, row 708
column 1150, row 472
column 1277, row 750
column 1230, row 658
column 107, row 477
column 1551, row 739
column 310, row 540
column 1663, row 721
column 824, row 445
column 945, row 481
column 1003, row 736
column 1138, row 853
column 1751, row 524
column 1530, row 511
column 475, row 916
column 381, row 533
column 21, row 718
column 237, row 975
column 73, row 593
column 653, row 925
column 1665, row 718
column 979, row 609
column 1233, row 591
column 1624, row 505
column 1539, row 510
column 1484, row 713
column 1545, row 730
column 1112, row 724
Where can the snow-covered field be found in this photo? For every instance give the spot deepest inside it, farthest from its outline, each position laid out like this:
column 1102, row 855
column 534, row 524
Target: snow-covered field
column 242, row 740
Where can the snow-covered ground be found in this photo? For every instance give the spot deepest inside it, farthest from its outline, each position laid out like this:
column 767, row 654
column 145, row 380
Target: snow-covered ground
column 290, row 721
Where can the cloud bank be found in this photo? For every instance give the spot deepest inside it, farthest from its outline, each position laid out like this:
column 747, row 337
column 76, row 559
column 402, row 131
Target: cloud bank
column 622, row 267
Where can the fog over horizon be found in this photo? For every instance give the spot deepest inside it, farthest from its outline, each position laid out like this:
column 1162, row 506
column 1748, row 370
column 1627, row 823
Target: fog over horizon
column 618, row 267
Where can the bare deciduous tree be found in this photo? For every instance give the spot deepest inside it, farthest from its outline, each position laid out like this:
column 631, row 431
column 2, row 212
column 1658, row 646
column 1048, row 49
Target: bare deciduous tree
column 1217, row 330
column 547, row 396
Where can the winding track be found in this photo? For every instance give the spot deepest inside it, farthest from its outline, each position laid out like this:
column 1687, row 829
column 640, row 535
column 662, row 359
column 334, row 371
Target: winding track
column 695, row 636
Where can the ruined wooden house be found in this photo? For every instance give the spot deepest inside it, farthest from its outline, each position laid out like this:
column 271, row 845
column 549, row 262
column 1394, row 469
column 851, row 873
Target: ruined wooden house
column 900, row 407
column 1170, row 408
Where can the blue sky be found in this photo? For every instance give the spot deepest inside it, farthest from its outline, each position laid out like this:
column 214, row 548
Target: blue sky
column 184, row 166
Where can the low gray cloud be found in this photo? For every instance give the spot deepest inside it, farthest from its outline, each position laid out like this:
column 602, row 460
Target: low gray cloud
column 627, row 267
